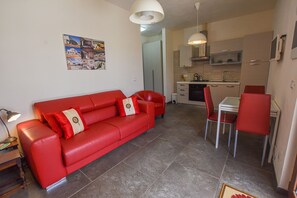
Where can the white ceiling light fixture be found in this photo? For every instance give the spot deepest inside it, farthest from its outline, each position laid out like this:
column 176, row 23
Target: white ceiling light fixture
column 146, row 12
column 197, row 38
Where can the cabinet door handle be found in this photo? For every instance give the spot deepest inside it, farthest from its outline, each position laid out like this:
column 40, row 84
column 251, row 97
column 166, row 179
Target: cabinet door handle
column 230, row 86
column 182, row 94
column 182, row 90
column 214, row 85
column 253, row 60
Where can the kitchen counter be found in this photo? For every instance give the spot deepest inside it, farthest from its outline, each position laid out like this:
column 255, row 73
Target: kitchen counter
column 210, row 82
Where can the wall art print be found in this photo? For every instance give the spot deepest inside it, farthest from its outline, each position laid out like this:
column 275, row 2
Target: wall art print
column 84, row 53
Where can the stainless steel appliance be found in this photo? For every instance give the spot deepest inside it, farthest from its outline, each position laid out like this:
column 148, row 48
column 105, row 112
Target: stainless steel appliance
column 196, row 92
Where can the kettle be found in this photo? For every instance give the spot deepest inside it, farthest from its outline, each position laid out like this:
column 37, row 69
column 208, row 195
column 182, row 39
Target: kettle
column 196, row 77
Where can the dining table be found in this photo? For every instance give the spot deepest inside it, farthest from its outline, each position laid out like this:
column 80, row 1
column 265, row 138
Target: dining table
column 231, row 104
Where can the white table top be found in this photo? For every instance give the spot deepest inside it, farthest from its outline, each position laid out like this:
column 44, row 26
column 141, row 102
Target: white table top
column 232, row 103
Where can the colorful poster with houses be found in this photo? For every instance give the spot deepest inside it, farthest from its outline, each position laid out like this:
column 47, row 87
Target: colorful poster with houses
column 84, row 53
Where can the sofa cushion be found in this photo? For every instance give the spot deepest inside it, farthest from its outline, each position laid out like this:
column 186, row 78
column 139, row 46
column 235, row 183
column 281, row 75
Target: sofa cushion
column 83, row 102
column 53, row 123
column 71, row 121
column 130, row 124
column 97, row 137
column 100, row 114
column 128, row 106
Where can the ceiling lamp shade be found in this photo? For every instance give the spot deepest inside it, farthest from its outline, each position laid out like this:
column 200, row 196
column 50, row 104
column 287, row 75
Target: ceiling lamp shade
column 197, row 38
column 146, row 12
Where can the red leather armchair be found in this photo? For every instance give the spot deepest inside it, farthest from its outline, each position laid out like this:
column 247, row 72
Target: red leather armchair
column 155, row 97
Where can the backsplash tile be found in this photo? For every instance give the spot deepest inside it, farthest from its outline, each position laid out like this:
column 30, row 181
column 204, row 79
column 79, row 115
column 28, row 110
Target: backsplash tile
column 208, row 72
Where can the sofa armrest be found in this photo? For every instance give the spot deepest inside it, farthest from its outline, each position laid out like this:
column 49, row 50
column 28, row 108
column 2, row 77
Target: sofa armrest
column 42, row 150
column 149, row 108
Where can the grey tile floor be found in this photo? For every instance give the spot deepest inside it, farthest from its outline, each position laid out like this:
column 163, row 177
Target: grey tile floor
column 171, row 160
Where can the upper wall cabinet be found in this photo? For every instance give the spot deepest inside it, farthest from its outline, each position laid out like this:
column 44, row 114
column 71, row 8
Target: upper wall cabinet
column 185, row 56
column 226, row 58
column 226, row 45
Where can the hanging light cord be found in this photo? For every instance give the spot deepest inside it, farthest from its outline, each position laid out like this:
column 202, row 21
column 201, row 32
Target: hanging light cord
column 197, row 7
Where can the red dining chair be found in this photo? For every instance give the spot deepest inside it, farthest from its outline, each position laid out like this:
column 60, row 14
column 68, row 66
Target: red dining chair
column 212, row 116
column 254, row 117
column 260, row 89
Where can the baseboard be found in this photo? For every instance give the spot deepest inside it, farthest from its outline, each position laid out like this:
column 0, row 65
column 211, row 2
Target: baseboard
column 278, row 189
column 282, row 191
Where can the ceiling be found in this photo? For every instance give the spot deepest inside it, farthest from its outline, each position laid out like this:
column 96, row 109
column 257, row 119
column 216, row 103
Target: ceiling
column 182, row 13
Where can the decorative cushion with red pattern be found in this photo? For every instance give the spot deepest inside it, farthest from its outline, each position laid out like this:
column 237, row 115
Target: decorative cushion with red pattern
column 71, row 121
column 128, row 106
column 53, row 123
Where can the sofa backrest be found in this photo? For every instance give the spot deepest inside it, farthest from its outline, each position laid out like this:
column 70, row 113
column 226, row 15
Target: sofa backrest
column 94, row 107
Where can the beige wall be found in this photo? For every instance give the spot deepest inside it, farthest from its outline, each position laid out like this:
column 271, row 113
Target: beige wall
column 280, row 77
column 221, row 30
column 229, row 28
column 168, row 75
column 240, row 26
column 33, row 64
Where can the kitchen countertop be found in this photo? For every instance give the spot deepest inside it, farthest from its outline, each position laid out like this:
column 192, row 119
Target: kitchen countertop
column 210, row 82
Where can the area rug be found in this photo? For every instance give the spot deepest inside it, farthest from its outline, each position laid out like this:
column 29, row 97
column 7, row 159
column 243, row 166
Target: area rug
column 231, row 192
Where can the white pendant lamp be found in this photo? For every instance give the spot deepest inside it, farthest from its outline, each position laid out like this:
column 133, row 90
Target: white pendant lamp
column 197, row 38
column 146, row 12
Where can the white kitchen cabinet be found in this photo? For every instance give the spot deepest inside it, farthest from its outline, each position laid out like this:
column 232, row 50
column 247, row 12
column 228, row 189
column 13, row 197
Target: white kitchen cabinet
column 226, row 45
column 182, row 93
column 186, row 53
column 255, row 60
column 220, row 91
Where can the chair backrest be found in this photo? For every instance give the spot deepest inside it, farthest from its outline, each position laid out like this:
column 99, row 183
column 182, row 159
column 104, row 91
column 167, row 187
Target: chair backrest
column 208, row 101
column 254, row 113
column 259, row 89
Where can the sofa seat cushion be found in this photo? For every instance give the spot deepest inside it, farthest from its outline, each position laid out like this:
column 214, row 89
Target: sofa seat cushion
column 97, row 137
column 130, row 124
column 158, row 105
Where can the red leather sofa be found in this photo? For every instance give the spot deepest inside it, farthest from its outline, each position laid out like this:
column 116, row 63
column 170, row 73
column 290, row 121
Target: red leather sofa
column 51, row 158
column 155, row 97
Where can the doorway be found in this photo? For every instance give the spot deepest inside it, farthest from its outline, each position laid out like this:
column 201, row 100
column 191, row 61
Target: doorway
column 153, row 66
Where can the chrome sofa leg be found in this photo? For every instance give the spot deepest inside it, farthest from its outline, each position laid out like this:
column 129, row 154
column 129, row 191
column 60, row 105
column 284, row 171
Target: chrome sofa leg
column 58, row 183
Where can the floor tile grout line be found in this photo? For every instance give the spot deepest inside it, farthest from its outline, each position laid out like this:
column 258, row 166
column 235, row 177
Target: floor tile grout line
column 252, row 166
column 225, row 163
column 163, row 171
column 105, row 172
column 86, row 175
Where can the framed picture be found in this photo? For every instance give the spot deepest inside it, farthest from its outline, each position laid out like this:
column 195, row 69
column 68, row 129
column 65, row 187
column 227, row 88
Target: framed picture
column 84, row 53
column 294, row 43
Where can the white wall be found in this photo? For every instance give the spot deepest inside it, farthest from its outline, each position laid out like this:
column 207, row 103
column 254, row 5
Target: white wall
column 33, row 65
column 280, row 76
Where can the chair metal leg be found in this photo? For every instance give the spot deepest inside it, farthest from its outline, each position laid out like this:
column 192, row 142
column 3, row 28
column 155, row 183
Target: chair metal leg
column 264, row 149
column 210, row 125
column 230, row 133
column 235, row 143
column 206, row 127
